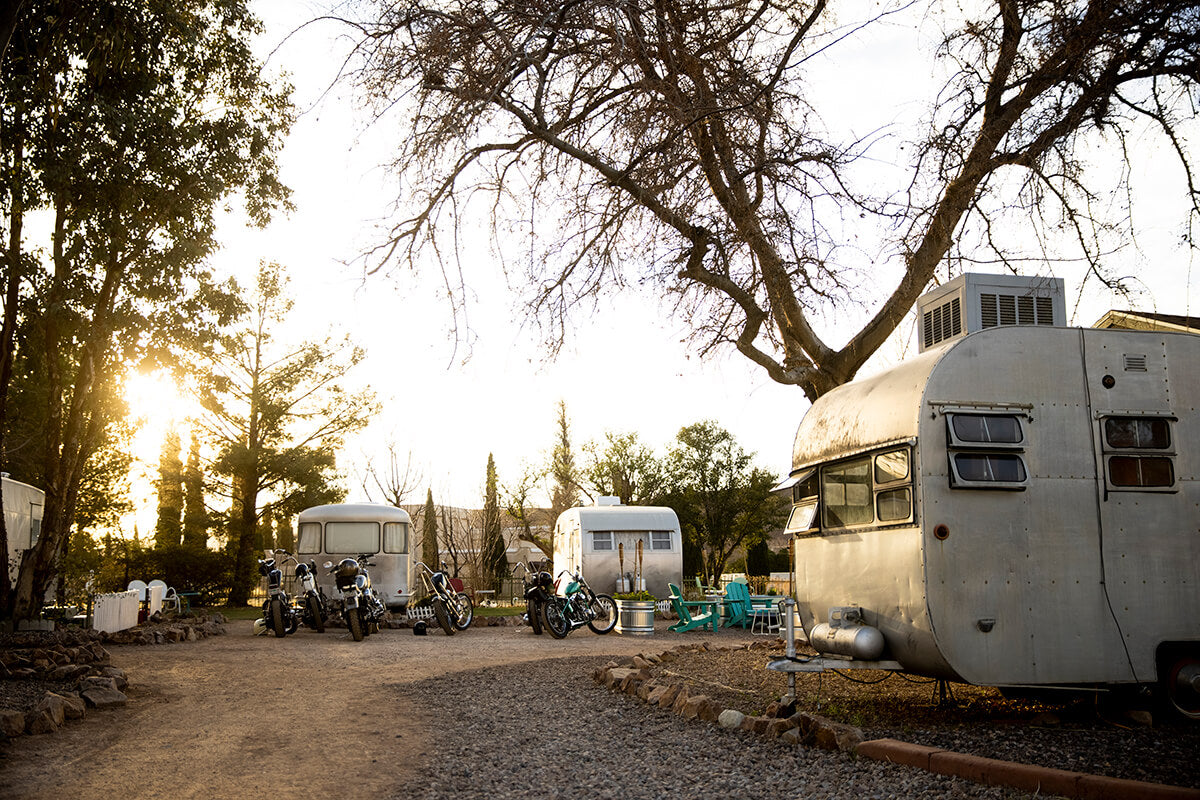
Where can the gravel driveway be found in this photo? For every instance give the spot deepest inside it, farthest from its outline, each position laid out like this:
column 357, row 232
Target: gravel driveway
column 491, row 712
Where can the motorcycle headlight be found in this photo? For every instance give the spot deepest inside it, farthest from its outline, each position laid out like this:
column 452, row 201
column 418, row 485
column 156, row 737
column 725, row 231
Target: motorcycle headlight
column 361, row 582
column 438, row 580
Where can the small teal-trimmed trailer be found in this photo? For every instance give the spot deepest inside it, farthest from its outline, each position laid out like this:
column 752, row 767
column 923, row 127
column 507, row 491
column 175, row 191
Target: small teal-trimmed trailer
column 601, row 541
column 1017, row 507
column 345, row 530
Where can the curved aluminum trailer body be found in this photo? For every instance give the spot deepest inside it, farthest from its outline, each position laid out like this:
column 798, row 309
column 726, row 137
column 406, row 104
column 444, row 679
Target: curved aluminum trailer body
column 1016, row 507
column 344, row 530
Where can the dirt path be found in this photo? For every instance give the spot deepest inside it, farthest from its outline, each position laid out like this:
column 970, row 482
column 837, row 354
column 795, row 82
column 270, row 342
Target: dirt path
column 241, row 716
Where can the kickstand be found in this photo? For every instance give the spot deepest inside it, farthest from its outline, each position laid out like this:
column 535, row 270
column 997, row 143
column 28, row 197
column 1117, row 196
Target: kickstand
column 945, row 694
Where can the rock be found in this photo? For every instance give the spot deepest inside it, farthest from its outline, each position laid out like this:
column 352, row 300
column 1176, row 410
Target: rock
column 100, row 697
column 641, row 663
column 37, row 722
column 617, row 676
column 730, row 718
column 12, row 723
column 691, row 707
column 1140, row 717
column 646, row 689
column 781, row 709
column 777, row 727
column 748, row 723
column 791, row 736
column 74, row 706
column 118, row 675
column 826, row 734
column 55, row 706
column 680, row 698
column 98, row 682
column 710, row 710
column 668, row 696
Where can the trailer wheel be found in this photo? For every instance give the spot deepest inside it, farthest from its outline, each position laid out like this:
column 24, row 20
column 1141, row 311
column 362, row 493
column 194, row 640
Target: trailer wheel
column 1181, row 685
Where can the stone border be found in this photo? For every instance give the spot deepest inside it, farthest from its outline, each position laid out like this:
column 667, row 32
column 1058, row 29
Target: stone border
column 631, row 676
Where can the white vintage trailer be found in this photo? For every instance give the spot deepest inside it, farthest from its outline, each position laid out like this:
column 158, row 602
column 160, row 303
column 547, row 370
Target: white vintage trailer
column 593, row 537
column 344, row 530
column 23, row 506
column 1017, row 507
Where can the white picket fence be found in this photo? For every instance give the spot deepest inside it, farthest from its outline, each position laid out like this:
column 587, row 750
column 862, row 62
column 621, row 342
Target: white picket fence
column 116, row 611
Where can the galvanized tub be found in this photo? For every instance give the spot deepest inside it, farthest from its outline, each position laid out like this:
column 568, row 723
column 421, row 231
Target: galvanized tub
column 635, row 617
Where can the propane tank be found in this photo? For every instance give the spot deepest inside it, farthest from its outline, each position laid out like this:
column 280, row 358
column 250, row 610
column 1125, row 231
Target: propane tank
column 845, row 635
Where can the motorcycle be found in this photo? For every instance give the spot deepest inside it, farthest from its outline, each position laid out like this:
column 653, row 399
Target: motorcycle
column 313, row 608
column 537, row 588
column 278, row 614
column 577, row 606
column 362, row 608
column 452, row 610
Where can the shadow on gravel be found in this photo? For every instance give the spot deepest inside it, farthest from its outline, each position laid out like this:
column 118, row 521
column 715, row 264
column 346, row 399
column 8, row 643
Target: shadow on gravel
column 545, row 729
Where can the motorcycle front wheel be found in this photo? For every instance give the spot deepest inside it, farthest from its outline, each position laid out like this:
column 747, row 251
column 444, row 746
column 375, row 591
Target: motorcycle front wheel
column 605, row 609
column 354, row 621
column 275, row 617
column 554, row 617
column 315, row 613
column 533, row 613
column 442, row 616
column 465, row 612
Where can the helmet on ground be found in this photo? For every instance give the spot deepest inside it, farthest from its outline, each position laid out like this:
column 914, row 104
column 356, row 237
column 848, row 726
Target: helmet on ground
column 260, row 626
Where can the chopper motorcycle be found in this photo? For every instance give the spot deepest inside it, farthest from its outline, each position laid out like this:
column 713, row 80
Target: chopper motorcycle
column 537, row 588
column 278, row 614
column 577, row 606
column 453, row 610
column 362, row 608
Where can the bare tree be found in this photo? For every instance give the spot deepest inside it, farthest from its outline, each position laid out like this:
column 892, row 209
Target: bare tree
column 395, row 480
column 535, row 524
column 676, row 144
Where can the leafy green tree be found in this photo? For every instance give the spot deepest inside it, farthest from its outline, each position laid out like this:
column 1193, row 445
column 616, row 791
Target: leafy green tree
column 195, row 513
column 429, row 532
column 277, row 414
column 126, row 126
column 723, row 500
column 493, row 558
column 168, row 530
column 624, row 468
column 683, row 144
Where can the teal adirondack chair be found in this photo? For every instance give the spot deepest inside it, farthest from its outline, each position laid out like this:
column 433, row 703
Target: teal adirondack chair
column 688, row 621
column 737, row 605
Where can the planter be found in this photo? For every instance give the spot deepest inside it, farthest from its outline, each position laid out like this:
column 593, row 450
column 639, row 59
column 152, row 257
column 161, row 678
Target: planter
column 635, row 617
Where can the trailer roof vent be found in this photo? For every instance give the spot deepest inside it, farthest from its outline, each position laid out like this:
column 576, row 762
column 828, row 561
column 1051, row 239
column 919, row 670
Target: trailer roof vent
column 972, row 302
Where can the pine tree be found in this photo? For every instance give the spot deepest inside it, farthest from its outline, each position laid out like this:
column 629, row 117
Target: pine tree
column 195, row 517
column 168, row 529
column 493, row 558
column 564, row 493
column 429, row 540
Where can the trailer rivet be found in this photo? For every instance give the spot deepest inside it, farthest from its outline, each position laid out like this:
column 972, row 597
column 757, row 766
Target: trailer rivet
column 941, row 532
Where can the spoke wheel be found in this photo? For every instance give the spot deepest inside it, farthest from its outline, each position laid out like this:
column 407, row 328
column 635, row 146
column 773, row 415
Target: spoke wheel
column 464, row 613
column 442, row 616
column 354, row 620
column 554, row 617
column 315, row 613
column 605, row 609
column 276, row 619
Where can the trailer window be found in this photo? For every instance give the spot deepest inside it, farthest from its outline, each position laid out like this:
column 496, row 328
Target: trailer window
column 802, row 518
column 395, row 537
column 989, row 467
column 1126, row 433
column 985, row 429
column 660, row 540
column 602, row 540
column 351, row 537
column 894, row 505
column 891, row 466
column 1138, row 453
column 846, row 490
column 310, row 538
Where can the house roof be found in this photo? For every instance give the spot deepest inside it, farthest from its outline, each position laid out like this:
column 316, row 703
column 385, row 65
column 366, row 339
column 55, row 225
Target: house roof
column 1148, row 321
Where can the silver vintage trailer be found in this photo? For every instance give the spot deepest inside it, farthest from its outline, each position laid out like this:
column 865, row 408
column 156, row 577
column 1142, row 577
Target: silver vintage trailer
column 1017, row 507
column 344, row 530
column 602, row 541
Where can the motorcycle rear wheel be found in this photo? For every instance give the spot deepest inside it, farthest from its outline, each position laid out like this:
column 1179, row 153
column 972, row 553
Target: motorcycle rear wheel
column 462, row 618
column 354, row 621
column 276, row 618
column 315, row 613
column 442, row 616
column 554, row 617
column 605, row 609
column 533, row 613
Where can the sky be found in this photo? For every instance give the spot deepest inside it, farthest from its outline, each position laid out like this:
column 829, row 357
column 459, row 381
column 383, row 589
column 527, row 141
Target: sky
column 626, row 368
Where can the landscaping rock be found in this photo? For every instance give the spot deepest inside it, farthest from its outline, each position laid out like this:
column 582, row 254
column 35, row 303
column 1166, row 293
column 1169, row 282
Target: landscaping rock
column 668, row 696
column 12, row 723
column 730, row 718
column 100, row 697
column 55, row 706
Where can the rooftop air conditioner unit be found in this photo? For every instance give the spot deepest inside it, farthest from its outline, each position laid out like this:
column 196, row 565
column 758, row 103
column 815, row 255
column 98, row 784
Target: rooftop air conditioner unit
column 972, row 302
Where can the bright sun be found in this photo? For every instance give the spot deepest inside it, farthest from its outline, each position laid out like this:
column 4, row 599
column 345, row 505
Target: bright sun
column 156, row 406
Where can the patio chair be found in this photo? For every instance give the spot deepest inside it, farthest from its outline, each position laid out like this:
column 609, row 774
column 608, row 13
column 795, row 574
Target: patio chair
column 737, row 605
column 687, row 620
